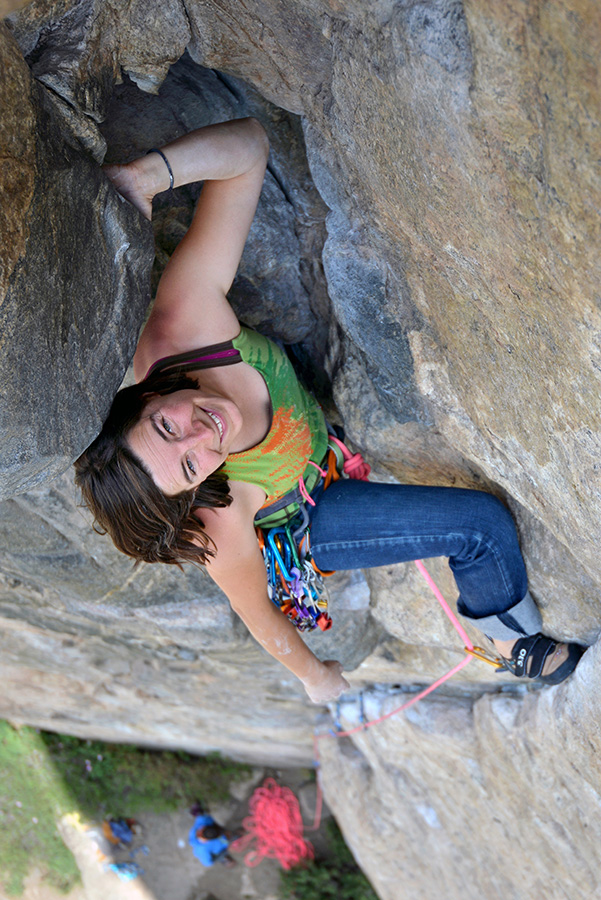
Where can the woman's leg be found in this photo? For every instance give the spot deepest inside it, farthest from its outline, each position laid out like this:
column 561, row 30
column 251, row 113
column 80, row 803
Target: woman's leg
column 363, row 524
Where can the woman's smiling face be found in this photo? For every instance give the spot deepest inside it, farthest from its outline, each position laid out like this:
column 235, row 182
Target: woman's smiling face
column 181, row 438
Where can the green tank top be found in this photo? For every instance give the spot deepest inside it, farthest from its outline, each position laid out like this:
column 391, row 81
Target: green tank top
column 298, row 434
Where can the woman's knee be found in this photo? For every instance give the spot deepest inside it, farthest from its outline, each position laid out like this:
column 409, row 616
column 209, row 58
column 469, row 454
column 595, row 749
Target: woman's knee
column 492, row 518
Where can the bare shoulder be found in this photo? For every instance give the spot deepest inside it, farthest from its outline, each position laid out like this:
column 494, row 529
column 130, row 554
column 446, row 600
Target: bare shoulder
column 237, row 566
column 232, row 528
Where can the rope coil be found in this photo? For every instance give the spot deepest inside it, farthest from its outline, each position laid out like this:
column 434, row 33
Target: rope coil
column 275, row 826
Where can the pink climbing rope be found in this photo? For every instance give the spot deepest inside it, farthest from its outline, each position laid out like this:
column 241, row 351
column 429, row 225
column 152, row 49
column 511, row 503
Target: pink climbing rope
column 275, row 823
column 404, row 706
column 275, row 826
column 471, row 652
column 354, row 465
column 450, row 614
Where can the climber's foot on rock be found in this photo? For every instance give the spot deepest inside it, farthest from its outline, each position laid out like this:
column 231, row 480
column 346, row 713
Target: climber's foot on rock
column 538, row 656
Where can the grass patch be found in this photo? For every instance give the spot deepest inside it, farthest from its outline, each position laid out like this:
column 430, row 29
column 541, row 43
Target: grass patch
column 123, row 780
column 333, row 877
column 32, row 798
column 44, row 776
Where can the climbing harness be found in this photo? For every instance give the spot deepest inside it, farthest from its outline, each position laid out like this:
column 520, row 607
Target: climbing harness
column 294, row 582
column 275, row 826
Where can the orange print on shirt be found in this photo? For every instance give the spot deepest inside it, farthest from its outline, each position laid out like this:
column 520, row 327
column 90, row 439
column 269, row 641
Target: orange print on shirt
column 282, row 456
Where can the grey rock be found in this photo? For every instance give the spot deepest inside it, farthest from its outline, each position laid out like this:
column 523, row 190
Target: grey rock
column 456, row 310
column 61, row 364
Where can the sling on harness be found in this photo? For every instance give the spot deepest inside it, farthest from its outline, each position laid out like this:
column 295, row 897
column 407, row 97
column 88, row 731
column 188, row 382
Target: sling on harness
column 294, row 582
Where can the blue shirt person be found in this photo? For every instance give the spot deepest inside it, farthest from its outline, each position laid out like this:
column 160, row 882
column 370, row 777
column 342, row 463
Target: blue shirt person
column 208, row 840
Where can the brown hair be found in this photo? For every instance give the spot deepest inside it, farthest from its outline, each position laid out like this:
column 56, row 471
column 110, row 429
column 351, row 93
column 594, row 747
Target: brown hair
column 126, row 503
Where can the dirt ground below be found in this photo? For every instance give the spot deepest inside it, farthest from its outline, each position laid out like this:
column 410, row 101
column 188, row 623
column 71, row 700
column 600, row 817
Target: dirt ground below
column 170, row 869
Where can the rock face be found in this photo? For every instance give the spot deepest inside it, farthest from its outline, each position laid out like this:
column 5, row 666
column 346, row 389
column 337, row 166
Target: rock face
column 73, row 289
column 428, row 235
column 492, row 798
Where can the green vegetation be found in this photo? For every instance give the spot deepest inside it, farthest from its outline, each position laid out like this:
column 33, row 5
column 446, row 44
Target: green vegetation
column 335, row 877
column 44, row 776
column 123, row 780
column 32, row 797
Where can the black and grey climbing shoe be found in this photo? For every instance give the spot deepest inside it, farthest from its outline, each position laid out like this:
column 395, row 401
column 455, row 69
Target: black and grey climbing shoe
column 529, row 655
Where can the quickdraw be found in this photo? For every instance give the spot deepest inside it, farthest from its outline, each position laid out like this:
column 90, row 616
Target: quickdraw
column 294, row 582
column 484, row 656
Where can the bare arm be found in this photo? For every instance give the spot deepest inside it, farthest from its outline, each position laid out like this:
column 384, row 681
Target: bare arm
column 191, row 308
column 239, row 571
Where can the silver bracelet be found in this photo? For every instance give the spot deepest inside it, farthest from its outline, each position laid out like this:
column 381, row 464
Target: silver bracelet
column 166, row 161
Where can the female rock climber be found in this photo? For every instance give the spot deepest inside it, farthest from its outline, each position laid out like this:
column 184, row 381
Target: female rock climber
column 218, row 428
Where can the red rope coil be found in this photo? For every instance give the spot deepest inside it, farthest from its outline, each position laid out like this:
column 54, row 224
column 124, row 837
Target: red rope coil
column 275, row 826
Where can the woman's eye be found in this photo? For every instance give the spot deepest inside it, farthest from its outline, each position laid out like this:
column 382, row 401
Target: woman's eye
column 190, row 465
column 167, row 426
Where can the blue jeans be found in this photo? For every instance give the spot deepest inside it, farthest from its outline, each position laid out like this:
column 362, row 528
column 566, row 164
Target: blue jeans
column 357, row 524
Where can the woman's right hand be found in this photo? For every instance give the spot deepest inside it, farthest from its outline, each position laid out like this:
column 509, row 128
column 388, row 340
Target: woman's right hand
column 329, row 684
column 140, row 180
